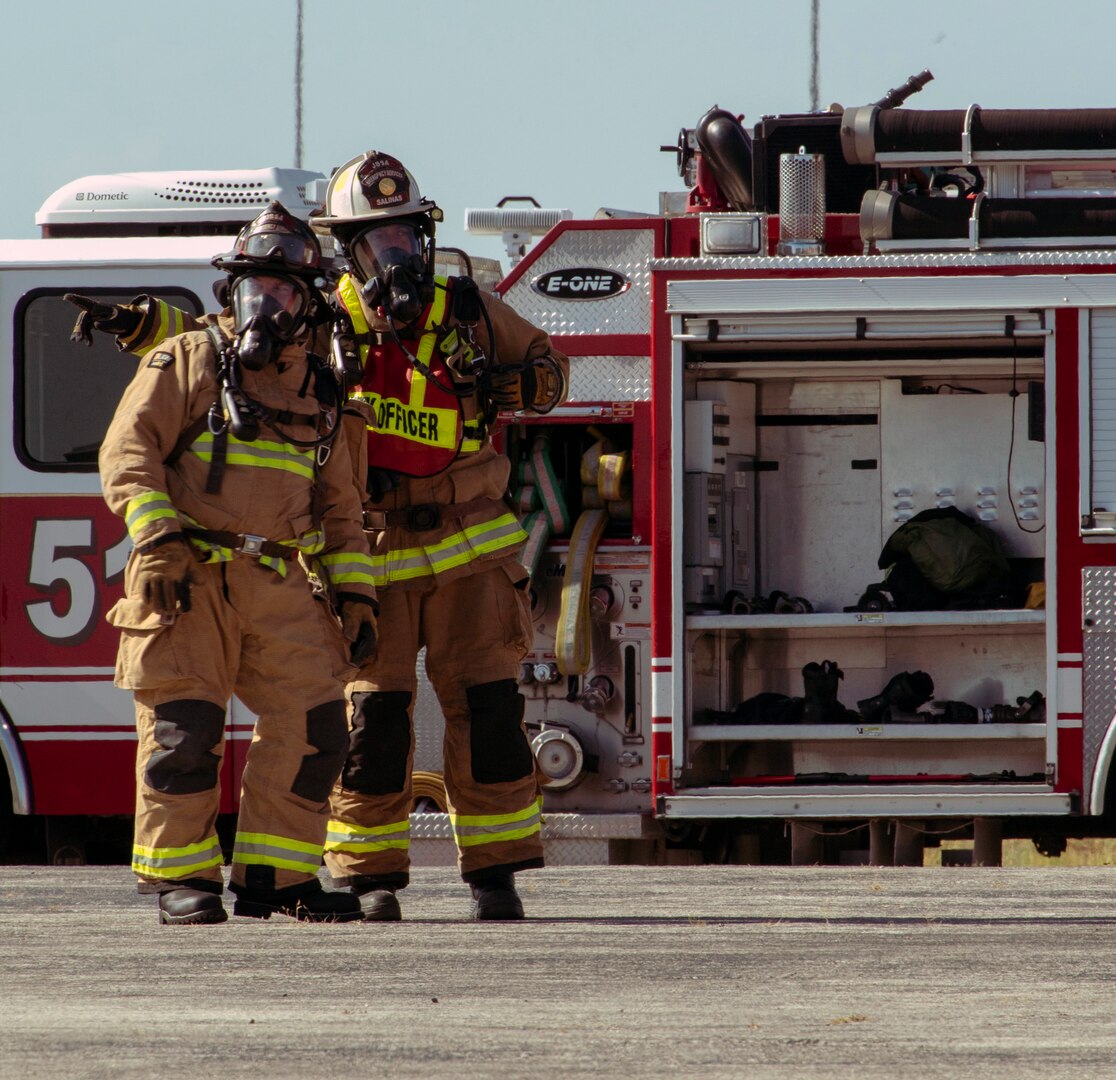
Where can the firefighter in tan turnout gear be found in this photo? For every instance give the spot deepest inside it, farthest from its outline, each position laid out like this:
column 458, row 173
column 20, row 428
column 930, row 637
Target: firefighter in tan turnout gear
column 226, row 459
column 439, row 361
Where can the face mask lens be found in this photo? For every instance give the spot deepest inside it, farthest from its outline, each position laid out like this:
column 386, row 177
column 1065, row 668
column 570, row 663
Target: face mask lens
column 279, row 300
column 378, row 249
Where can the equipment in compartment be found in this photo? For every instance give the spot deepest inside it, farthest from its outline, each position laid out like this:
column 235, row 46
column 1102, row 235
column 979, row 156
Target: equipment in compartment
column 718, row 532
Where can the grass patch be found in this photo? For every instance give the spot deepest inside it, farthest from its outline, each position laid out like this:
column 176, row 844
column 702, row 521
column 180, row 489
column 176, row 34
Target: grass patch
column 1088, row 852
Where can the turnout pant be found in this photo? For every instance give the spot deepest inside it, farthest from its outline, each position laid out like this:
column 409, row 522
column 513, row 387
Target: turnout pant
column 264, row 637
column 475, row 630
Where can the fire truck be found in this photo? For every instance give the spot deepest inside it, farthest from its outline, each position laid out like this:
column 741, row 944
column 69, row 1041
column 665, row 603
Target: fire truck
column 845, row 329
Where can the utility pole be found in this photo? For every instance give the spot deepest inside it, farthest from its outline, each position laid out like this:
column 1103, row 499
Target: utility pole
column 814, row 55
column 298, row 84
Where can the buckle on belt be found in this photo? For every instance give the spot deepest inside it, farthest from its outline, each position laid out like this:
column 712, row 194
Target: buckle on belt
column 424, row 516
column 251, row 544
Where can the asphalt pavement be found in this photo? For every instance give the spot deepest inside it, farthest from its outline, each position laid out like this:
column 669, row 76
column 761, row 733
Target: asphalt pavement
column 797, row 973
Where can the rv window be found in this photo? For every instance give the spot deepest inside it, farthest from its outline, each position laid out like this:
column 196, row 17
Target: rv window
column 66, row 393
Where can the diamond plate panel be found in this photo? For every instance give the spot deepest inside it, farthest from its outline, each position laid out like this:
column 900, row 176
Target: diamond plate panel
column 558, row 853
column 1099, row 656
column 554, row 827
column 610, row 378
column 570, row 839
column 626, row 251
column 955, row 260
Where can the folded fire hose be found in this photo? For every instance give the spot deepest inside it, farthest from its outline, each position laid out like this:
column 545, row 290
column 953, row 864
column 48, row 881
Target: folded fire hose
column 606, row 494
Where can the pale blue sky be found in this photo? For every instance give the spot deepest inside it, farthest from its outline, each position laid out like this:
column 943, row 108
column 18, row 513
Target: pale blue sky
column 567, row 101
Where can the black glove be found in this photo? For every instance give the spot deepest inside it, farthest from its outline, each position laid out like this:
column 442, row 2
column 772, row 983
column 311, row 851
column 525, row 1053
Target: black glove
column 117, row 319
column 163, row 576
column 358, row 624
column 381, row 482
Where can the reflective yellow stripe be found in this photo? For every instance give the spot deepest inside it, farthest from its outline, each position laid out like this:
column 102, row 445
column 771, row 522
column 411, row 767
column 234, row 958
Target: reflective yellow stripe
column 174, row 862
column 484, row 820
column 501, row 837
column 472, row 437
column 434, row 319
column 455, row 550
column 342, row 836
column 144, row 509
column 350, row 300
column 261, row 454
column 309, row 543
column 471, row 830
column 349, row 567
column 264, row 849
column 166, row 322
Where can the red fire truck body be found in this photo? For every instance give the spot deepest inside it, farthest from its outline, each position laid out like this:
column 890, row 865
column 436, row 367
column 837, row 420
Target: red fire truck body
column 948, row 347
column 847, row 320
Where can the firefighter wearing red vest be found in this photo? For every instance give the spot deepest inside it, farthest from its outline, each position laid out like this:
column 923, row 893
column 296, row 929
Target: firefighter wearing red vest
column 227, row 461
column 439, row 360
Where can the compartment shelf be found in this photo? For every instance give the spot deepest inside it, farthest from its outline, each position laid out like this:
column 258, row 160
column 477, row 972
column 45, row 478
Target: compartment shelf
column 877, row 732
column 879, row 620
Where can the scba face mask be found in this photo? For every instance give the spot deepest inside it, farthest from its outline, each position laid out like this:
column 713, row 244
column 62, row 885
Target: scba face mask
column 390, row 259
column 268, row 309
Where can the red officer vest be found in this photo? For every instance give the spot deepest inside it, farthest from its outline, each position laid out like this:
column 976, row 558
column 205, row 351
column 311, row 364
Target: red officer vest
column 420, row 428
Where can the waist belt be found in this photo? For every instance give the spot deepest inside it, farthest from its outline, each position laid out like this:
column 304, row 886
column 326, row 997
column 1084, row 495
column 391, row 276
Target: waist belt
column 422, row 517
column 244, row 543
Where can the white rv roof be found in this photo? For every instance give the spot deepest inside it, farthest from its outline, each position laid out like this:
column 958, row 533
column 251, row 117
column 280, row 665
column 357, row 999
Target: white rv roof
column 127, row 251
column 183, row 196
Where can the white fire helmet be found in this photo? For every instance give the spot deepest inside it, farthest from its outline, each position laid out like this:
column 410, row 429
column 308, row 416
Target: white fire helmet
column 371, row 188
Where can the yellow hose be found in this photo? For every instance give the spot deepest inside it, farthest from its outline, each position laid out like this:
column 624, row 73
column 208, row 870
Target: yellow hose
column 429, row 785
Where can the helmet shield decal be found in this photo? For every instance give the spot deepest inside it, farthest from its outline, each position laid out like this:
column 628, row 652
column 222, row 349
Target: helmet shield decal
column 384, row 182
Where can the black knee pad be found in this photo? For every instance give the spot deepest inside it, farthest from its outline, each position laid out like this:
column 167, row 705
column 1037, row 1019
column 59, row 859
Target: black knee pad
column 379, row 743
column 497, row 745
column 187, row 731
column 325, row 731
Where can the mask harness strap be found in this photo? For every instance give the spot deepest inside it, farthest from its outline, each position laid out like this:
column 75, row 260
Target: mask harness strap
column 460, row 306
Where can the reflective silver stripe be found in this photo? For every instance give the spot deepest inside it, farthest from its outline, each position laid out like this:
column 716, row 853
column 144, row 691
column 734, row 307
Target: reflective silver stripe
column 455, row 550
column 262, row 849
column 173, row 862
column 261, row 454
column 143, row 509
column 345, row 837
column 349, row 567
column 472, row 830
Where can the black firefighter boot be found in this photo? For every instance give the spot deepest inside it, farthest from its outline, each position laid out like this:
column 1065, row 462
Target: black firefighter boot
column 820, row 705
column 904, row 693
column 378, row 902
column 307, row 901
column 495, row 898
column 189, row 906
